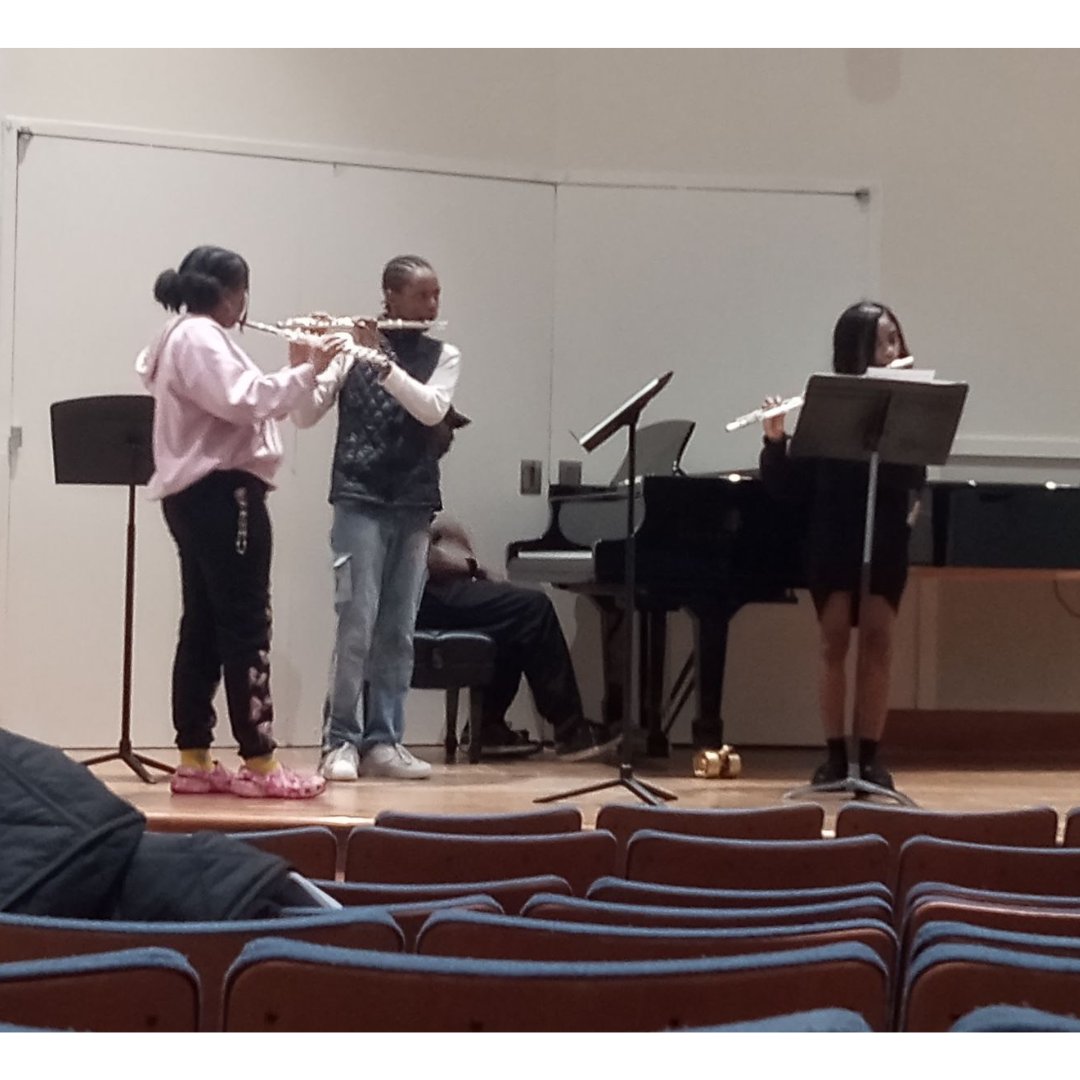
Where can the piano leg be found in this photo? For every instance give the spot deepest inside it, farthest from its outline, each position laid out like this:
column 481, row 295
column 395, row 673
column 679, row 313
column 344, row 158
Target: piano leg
column 710, row 652
column 652, row 657
column 611, row 655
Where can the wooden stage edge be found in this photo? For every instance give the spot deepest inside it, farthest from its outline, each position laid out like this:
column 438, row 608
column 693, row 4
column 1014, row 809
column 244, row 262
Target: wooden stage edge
column 992, row 768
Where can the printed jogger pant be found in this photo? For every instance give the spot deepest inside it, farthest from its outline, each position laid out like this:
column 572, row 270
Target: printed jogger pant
column 222, row 531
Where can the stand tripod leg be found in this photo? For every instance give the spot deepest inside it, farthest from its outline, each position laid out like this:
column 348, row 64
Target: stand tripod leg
column 135, row 762
column 858, row 789
column 647, row 793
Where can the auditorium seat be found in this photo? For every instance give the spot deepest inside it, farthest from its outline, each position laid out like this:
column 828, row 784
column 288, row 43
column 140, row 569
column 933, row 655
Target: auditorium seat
column 311, row 850
column 395, row 856
column 557, row 819
column 755, row 864
column 947, row 982
column 791, row 822
column 578, row 909
column 506, row 937
column 510, row 893
column 1035, row 871
column 1034, row 826
column 620, row 891
column 125, row 990
column 279, row 985
column 210, row 946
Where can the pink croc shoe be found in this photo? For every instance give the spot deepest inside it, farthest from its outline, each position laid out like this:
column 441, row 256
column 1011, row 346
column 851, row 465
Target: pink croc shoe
column 188, row 780
column 282, row 783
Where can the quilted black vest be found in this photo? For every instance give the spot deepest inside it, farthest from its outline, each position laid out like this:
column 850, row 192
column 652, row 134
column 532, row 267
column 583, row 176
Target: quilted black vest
column 385, row 456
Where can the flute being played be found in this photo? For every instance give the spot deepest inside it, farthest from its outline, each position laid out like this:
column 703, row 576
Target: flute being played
column 300, row 337
column 782, row 408
column 321, row 323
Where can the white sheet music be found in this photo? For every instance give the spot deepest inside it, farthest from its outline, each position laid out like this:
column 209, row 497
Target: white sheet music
column 903, row 374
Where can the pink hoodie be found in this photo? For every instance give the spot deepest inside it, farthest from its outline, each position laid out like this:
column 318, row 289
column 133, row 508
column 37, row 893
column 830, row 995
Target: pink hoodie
column 214, row 409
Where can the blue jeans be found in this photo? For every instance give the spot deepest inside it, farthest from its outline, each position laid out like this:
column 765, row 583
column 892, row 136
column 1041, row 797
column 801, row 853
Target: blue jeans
column 380, row 565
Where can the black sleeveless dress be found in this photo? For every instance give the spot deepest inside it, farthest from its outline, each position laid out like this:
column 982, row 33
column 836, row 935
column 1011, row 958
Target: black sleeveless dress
column 835, row 496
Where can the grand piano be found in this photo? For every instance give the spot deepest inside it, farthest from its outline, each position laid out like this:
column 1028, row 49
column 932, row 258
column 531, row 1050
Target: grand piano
column 709, row 544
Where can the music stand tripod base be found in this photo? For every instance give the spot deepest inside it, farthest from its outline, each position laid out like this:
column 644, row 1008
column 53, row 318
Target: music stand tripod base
column 851, row 785
column 626, row 416
column 650, row 794
column 133, row 761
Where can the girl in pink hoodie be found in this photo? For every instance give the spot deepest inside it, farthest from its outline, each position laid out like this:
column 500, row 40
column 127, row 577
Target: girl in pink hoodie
column 216, row 451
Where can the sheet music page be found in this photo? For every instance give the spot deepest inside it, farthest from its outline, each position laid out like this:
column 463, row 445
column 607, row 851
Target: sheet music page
column 903, row 374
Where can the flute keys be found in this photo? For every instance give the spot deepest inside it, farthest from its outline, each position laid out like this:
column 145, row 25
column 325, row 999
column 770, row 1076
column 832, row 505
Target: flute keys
column 722, row 764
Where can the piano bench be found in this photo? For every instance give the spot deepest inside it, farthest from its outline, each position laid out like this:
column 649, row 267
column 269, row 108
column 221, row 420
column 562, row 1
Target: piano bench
column 449, row 660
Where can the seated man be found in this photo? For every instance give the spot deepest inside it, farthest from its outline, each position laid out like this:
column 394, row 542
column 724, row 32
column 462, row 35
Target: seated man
column 462, row 595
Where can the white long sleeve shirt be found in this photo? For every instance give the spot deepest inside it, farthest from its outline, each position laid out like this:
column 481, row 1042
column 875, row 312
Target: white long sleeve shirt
column 427, row 401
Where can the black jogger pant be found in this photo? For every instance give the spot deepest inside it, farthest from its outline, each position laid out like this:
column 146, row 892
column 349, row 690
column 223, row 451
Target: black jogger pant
column 222, row 531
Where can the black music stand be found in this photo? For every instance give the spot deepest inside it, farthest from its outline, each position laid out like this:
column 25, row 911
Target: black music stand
column 626, row 416
column 855, row 418
column 107, row 440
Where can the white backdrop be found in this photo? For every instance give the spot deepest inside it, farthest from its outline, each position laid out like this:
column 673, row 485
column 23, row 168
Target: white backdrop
column 563, row 298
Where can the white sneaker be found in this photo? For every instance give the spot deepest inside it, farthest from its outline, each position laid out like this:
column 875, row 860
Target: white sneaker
column 341, row 763
column 394, row 760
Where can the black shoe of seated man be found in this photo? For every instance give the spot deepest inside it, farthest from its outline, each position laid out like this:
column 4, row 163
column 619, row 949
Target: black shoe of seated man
column 875, row 773
column 829, row 772
column 499, row 740
column 588, row 741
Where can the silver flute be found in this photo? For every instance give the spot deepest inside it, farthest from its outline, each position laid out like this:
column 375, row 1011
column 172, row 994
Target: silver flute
column 357, row 352
column 782, row 408
column 332, row 322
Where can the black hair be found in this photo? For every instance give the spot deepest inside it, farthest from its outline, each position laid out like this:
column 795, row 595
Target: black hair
column 400, row 269
column 203, row 277
column 855, row 337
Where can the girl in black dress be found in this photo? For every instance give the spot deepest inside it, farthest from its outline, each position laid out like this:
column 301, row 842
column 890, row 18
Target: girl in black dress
column 866, row 334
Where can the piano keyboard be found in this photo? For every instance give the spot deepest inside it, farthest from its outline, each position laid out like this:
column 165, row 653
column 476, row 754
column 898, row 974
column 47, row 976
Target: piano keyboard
column 551, row 567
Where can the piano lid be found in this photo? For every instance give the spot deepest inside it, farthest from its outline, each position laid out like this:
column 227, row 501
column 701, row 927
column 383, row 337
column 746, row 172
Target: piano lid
column 659, row 450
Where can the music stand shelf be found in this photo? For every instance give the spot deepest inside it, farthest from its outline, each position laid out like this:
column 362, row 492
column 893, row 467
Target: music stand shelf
column 853, row 418
column 108, row 440
column 626, row 416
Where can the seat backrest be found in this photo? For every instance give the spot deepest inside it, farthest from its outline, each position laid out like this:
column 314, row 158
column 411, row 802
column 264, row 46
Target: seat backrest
column 1033, row 826
column 755, row 864
column 578, row 909
column 620, row 891
column 556, row 819
column 287, row 986
column 311, row 850
column 411, row 917
column 210, row 946
column 140, row 989
column 942, row 933
column 1015, row 1018
column 1049, row 872
column 397, row 856
column 791, row 822
column 1021, row 919
column 507, row 937
column 510, row 893
column 948, row 981
column 838, row 1021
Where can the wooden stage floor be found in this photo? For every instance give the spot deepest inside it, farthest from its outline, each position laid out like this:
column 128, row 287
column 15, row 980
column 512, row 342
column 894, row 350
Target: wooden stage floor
column 489, row 787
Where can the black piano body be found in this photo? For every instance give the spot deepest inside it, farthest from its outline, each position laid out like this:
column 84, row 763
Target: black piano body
column 706, row 544
column 993, row 525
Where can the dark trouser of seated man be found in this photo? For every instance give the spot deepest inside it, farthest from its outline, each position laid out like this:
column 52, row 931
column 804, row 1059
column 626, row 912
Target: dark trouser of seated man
column 529, row 642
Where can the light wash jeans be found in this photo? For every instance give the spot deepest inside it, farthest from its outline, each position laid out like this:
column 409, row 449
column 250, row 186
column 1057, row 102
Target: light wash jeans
column 380, row 566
